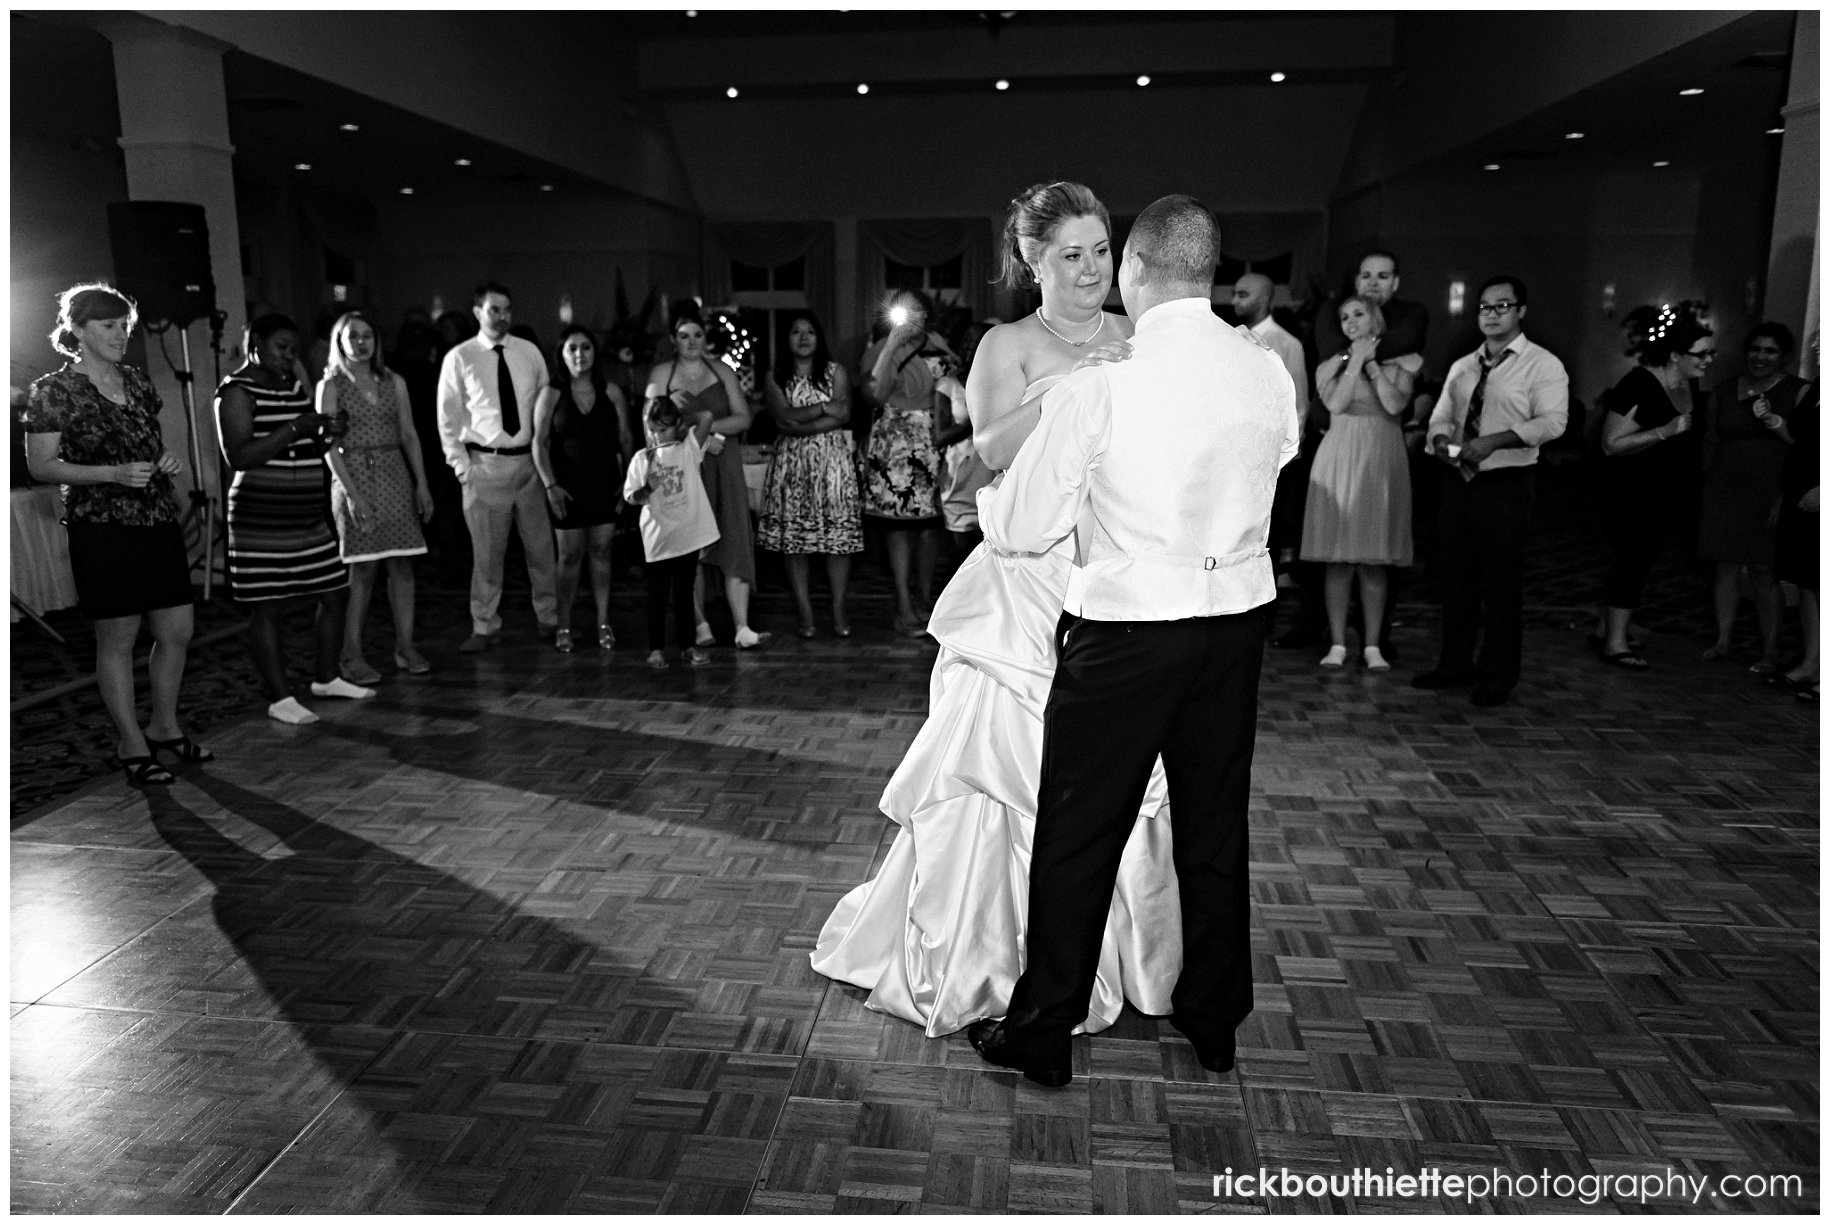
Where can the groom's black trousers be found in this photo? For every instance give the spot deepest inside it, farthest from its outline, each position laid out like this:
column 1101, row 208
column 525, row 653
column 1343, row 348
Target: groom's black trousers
column 1123, row 693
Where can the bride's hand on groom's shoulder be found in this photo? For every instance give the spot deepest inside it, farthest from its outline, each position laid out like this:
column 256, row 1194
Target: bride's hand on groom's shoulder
column 1112, row 351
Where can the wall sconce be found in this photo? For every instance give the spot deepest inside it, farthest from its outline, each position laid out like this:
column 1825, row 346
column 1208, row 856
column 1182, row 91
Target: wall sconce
column 1458, row 298
column 339, row 293
column 438, row 306
column 565, row 308
column 1607, row 300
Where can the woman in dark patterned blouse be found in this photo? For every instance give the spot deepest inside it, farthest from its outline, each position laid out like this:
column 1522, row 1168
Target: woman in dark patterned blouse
column 93, row 427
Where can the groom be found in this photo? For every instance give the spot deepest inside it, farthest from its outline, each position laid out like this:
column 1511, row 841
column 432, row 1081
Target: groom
column 1164, row 465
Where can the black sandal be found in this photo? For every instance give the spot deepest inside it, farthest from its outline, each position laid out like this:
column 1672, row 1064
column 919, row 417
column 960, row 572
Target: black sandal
column 184, row 748
column 145, row 771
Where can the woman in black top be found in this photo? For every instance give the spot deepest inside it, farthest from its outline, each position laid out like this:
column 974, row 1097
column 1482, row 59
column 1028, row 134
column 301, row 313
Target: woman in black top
column 1650, row 458
column 581, row 446
column 93, row 427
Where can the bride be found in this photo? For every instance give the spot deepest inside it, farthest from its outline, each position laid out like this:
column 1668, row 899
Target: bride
column 937, row 938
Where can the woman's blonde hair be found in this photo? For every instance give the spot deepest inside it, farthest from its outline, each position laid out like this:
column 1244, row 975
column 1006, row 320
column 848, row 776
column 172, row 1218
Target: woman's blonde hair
column 1372, row 312
column 338, row 361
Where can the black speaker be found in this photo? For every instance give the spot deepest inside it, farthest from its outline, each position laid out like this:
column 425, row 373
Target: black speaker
column 162, row 259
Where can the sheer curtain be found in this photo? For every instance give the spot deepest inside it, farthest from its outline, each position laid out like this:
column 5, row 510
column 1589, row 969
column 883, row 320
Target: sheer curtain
column 924, row 243
column 770, row 244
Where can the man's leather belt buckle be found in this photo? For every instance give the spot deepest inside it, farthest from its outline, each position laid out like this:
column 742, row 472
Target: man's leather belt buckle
column 1210, row 563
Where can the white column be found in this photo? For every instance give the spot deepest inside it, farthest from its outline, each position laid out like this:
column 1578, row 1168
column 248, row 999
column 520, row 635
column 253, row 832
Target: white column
column 175, row 133
column 1791, row 280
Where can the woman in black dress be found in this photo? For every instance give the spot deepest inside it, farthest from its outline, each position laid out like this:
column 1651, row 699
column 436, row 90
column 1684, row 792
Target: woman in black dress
column 1745, row 441
column 93, row 427
column 581, row 445
column 1649, row 461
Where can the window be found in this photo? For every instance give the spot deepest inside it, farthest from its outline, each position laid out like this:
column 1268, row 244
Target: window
column 766, row 299
column 942, row 282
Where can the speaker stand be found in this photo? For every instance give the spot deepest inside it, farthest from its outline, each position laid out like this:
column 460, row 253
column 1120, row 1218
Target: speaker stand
column 200, row 497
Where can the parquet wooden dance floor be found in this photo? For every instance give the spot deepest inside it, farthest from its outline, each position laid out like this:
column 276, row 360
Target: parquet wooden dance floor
column 530, row 934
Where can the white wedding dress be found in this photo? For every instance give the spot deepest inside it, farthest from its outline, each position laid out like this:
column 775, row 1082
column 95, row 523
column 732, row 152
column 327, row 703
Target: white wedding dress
column 938, row 936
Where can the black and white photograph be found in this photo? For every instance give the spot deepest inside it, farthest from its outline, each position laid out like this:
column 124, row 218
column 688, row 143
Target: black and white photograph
column 826, row 612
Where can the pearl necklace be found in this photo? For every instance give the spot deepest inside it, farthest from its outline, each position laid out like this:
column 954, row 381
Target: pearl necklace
column 1097, row 329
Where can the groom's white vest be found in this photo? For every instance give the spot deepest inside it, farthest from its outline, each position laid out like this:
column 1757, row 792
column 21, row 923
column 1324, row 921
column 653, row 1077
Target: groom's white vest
column 1166, row 463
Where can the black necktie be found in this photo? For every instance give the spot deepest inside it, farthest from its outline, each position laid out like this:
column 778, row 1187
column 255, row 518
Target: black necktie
column 505, row 391
column 1471, row 426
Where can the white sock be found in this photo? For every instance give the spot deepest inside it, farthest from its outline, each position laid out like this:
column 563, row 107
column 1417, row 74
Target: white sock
column 340, row 688
column 290, row 710
column 1337, row 655
column 1375, row 659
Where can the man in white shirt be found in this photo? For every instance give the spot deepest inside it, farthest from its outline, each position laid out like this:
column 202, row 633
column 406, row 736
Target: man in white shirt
column 1163, row 465
column 1499, row 404
column 486, row 392
column 1252, row 303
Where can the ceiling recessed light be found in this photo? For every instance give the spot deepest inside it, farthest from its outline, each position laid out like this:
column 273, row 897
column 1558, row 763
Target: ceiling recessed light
column 1491, row 166
column 692, row 12
column 1573, row 135
column 462, row 161
column 1661, row 163
column 1003, row 84
column 1775, row 131
column 350, row 127
column 1277, row 76
column 546, row 187
column 1692, row 92
column 863, row 88
column 301, row 165
column 406, row 191
column 1143, row 80
column 730, row 91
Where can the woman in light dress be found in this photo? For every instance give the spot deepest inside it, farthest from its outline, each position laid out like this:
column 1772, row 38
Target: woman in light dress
column 1358, row 517
column 938, row 936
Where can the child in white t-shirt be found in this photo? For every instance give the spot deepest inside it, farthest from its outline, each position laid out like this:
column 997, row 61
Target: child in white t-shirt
column 677, row 521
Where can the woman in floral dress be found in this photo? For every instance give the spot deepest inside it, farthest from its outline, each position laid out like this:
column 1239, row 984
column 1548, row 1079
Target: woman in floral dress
column 810, row 498
column 902, row 462
column 378, row 493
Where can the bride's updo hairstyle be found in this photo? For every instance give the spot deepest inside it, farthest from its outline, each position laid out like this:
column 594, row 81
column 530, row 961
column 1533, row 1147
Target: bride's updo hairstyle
column 1034, row 217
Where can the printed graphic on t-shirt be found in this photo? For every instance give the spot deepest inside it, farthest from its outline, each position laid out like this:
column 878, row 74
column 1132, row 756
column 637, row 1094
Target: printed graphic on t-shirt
column 670, row 481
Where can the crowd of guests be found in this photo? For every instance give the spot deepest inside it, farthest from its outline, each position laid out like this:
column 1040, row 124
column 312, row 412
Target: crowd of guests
column 345, row 465
column 1726, row 470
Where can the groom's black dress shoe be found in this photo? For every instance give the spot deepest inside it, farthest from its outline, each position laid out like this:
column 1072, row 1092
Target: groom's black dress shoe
column 996, row 1045
column 1214, row 1054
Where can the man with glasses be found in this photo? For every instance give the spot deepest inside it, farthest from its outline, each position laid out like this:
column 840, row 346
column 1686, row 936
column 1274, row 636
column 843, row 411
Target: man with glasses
column 1499, row 404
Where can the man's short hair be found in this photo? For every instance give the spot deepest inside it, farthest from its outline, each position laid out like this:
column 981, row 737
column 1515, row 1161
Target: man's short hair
column 487, row 288
column 1381, row 253
column 1177, row 240
column 1518, row 287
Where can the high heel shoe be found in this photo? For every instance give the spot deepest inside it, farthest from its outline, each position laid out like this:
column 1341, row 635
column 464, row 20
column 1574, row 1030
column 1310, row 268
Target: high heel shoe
column 144, row 771
column 1375, row 660
column 606, row 637
column 190, row 752
column 408, row 659
column 1336, row 657
column 807, row 630
column 562, row 641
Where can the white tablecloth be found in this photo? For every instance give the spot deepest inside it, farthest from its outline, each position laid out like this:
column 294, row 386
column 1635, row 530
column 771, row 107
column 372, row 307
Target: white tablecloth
column 41, row 551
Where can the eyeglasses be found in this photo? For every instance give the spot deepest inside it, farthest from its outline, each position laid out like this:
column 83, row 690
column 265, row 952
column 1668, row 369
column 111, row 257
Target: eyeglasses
column 1495, row 308
column 1707, row 355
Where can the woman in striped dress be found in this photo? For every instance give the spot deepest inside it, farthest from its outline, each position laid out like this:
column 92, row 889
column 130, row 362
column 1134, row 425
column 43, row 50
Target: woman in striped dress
column 281, row 542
